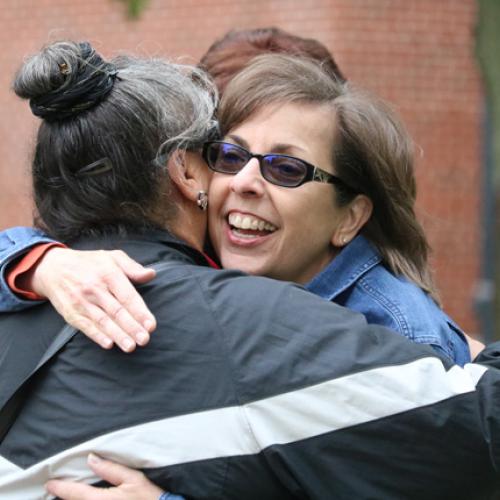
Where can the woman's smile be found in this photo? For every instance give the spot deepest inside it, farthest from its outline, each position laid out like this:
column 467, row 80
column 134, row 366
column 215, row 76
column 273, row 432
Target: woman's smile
column 244, row 229
column 267, row 229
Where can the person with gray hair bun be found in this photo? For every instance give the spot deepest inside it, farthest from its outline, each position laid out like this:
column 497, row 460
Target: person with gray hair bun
column 213, row 406
column 112, row 137
column 104, row 128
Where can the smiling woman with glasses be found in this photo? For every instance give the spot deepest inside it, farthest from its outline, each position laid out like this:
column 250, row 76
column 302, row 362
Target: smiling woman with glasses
column 347, row 230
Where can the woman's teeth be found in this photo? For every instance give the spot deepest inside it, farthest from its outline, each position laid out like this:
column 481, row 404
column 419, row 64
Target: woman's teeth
column 248, row 222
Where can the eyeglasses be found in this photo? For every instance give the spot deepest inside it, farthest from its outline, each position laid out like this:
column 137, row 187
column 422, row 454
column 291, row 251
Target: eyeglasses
column 282, row 170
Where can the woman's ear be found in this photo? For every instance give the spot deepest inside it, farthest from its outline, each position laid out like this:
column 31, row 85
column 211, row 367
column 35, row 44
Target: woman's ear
column 355, row 216
column 189, row 173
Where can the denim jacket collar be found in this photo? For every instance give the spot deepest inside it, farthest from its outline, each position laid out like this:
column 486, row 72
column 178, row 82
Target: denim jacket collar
column 355, row 259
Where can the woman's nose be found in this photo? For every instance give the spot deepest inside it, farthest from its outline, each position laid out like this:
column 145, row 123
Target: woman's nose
column 249, row 181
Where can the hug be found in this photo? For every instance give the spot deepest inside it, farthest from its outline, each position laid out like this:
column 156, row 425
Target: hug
column 248, row 386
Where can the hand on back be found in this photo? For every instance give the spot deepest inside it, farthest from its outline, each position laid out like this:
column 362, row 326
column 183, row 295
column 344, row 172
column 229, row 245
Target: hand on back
column 129, row 484
column 94, row 292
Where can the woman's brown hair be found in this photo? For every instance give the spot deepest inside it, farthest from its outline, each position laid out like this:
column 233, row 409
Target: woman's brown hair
column 371, row 151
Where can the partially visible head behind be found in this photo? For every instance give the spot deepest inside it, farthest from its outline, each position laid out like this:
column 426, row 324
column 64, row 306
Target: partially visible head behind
column 370, row 151
column 230, row 54
column 107, row 131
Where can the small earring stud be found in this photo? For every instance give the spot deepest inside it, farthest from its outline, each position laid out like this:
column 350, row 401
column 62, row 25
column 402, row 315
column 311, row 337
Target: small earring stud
column 202, row 200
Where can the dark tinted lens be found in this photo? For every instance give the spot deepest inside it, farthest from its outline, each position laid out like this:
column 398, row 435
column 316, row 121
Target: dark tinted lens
column 283, row 170
column 226, row 158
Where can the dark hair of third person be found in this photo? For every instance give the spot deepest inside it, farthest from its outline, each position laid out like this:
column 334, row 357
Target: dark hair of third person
column 231, row 53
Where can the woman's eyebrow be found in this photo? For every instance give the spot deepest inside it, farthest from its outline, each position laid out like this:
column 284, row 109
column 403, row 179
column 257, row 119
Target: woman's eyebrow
column 238, row 140
column 286, row 148
column 279, row 148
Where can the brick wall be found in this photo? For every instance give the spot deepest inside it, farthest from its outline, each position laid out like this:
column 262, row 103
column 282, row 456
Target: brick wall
column 416, row 53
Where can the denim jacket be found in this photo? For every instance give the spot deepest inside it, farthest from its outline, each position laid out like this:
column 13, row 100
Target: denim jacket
column 357, row 279
column 13, row 243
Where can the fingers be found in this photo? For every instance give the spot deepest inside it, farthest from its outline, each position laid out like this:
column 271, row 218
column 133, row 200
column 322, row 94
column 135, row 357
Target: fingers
column 132, row 302
column 68, row 490
column 116, row 322
column 129, row 484
column 90, row 330
column 125, row 318
column 114, row 473
column 135, row 272
column 101, row 328
column 118, row 312
column 111, row 472
column 93, row 292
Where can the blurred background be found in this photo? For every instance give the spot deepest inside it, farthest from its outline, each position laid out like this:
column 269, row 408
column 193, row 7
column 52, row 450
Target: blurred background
column 435, row 60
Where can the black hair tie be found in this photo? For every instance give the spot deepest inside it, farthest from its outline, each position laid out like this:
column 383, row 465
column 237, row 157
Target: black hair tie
column 83, row 88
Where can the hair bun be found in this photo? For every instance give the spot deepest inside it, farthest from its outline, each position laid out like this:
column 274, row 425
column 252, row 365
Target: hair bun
column 64, row 79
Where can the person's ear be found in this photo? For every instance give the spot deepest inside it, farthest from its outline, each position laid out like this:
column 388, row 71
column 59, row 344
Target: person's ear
column 355, row 216
column 189, row 173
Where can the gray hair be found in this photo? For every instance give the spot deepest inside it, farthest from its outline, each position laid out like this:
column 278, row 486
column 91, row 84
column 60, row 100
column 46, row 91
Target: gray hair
column 152, row 108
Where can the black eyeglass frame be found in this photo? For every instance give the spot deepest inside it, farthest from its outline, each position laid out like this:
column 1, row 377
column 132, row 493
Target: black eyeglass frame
column 312, row 173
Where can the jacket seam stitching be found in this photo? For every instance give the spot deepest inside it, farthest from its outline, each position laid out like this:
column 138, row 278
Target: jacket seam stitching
column 389, row 306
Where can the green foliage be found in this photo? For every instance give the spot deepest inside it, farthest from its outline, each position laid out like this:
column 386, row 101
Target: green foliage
column 135, row 7
column 487, row 51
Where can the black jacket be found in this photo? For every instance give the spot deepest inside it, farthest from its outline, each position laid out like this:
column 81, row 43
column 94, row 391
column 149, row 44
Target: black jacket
column 249, row 389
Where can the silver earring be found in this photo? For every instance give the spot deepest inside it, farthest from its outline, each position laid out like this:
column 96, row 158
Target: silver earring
column 202, row 200
column 344, row 240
